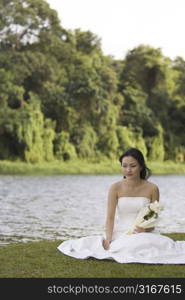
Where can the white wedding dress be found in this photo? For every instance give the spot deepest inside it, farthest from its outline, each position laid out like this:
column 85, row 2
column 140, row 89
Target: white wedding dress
column 146, row 247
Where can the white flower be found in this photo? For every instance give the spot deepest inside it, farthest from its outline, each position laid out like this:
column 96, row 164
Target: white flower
column 156, row 206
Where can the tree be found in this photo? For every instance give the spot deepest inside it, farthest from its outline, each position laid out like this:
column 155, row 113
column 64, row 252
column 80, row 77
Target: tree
column 60, row 97
column 87, row 42
column 26, row 134
column 24, row 22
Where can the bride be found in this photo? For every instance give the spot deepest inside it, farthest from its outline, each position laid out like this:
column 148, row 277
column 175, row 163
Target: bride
column 125, row 200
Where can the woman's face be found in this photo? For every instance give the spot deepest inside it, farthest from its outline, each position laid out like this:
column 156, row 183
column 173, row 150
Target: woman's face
column 131, row 167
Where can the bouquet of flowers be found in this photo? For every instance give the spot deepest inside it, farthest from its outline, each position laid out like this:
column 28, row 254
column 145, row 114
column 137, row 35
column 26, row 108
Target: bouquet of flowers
column 147, row 216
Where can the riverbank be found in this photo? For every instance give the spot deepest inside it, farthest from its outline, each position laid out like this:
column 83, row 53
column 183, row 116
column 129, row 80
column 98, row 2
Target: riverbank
column 105, row 166
column 43, row 260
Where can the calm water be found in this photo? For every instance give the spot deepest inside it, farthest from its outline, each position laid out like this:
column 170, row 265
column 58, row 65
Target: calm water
column 60, row 207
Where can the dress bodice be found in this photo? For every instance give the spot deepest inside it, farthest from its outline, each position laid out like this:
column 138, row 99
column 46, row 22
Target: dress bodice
column 127, row 210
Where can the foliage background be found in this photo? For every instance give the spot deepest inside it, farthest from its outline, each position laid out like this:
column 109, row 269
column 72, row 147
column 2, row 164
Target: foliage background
column 61, row 98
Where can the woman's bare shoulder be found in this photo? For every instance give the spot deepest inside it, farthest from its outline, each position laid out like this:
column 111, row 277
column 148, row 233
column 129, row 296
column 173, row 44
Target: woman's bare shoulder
column 152, row 186
column 116, row 185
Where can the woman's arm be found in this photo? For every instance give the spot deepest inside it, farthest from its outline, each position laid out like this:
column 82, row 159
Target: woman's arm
column 111, row 209
column 155, row 194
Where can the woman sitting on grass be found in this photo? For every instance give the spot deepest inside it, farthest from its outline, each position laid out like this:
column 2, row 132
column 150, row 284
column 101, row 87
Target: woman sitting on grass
column 133, row 239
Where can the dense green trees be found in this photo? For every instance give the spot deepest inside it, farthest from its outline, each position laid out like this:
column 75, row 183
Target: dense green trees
column 62, row 98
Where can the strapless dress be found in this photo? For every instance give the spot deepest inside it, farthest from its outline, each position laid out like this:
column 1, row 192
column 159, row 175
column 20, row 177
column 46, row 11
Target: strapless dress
column 146, row 247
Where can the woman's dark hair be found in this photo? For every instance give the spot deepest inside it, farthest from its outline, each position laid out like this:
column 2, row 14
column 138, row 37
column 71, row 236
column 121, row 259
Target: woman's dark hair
column 137, row 154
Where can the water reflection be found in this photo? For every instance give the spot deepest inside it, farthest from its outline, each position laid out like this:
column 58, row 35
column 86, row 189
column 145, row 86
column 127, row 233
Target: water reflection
column 61, row 207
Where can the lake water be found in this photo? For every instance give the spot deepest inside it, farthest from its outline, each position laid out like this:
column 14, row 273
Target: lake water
column 65, row 206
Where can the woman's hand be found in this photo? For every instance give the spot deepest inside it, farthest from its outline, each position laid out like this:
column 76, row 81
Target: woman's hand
column 140, row 229
column 106, row 244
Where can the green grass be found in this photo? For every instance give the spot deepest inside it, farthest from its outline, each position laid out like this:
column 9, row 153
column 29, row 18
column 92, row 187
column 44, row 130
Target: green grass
column 105, row 166
column 43, row 260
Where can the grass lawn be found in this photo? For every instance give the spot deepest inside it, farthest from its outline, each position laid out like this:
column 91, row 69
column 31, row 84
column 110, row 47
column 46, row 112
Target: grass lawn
column 43, row 260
